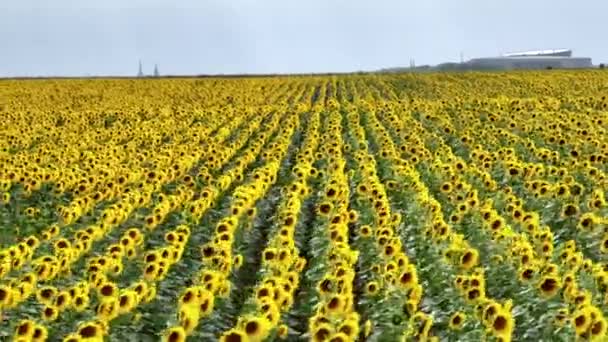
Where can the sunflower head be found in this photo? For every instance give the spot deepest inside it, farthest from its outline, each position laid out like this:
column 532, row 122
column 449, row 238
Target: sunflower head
column 234, row 335
column 350, row 328
column 283, row 332
column 40, row 333
column 90, row 330
column 335, row 304
column 50, row 313
column 321, row 332
column 569, row 210
column 457, row 320
column 127, row 300
column 549, row 285
column 581, row 319
column 372, row 288
column 469, row 259
column 502, row 325
column 598, row 329
column 25, row 329
column 256, row 328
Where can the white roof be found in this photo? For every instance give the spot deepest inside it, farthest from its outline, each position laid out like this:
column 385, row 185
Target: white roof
column 536, row 53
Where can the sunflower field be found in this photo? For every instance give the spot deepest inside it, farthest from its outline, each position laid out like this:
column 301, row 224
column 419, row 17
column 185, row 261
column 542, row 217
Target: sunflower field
column 398, row 207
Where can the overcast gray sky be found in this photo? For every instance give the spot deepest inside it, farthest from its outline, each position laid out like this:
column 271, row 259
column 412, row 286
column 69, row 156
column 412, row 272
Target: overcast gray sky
column 108, row 37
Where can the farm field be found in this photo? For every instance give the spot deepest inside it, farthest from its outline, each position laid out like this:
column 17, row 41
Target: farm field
column 412, row 207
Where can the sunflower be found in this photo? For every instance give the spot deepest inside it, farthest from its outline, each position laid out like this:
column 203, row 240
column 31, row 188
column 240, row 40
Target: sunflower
column 73, row 338
column 457, row 320
column 188, row 318
column 32, row 242
column 502, row 325
column 40, row 333
column 469, row 259
column 372, row 288
column 271, row 312
column 446, row 187
column 283, row 332
column 151, row 271
column 549, row 285
column 456, row 218
column 189, row 297
column 527, row 273
column 496, row 223
column 570, row 245
column 598, row 329
column 63, row 300
column 80, row 303
column 62, row 245
column 587, row 222
column 321, row 332
column 107, row 290
column 353, row 216
column 206, row 304
column 363, row 189
column 484, row 309
column 135, row 235
column 108, row 309
column 561, row 317
column 46, row 236
column 233, row 335
column 90, row 331
column 256, row 328
column 331, row 191
column 324, row 209
column 604, row 244
column 31, row 212
column 50, row 313
column 269, row 255
column 582, row 298
column 581, row 319
column 441, row 231
column 326, row 285
column 25, row 329
column 422, row 323
column 409, row 277
column 150, row 293
column 340, row 337
column 126, row 301
column 46, row 294
column 569, row 210
column 474, row 294
column 289, row 221
column 546, row 249
column 335, row 304
column 150, row 222
column 350, row 328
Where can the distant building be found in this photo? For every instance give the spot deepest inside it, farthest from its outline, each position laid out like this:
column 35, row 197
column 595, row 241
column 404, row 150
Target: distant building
column 541, row 53
column 140, row 73
column 542, row 59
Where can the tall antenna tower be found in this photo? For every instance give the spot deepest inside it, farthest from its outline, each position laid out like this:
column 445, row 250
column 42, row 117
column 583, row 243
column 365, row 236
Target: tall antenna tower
column 156, row 74
column 140, row 73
